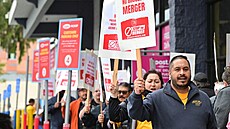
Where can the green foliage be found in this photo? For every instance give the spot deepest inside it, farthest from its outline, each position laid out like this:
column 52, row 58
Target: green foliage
column 11, row 35
column 1, row 68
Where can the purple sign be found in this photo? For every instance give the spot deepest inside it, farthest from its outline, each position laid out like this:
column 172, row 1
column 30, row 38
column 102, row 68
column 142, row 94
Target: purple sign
column 160, row 63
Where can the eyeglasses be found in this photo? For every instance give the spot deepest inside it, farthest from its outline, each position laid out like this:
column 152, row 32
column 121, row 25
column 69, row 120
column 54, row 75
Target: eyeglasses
column 123, row 92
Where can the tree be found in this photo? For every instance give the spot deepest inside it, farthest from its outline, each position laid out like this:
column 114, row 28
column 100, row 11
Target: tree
column 11, row 35
column 1, row 69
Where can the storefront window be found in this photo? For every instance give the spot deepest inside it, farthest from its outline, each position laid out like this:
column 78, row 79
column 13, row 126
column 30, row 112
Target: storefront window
column 219, row 25
column 162, row 25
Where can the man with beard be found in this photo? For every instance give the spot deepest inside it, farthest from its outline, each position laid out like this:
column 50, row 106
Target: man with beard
column 54, row 109
column 179, row 105
column 75, row 107
column 117, row 104
column 88, row 115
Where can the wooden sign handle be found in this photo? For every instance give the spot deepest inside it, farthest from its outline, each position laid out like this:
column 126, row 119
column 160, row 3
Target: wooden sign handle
column 115, row 71
column 139, row 63
column 101, row 112
column 58, row 97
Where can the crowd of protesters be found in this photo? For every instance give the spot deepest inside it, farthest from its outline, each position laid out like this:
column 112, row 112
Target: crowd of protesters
column 181, row 103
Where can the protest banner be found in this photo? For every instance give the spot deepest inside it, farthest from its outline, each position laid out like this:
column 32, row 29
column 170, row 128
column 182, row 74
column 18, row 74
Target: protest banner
column 50, row 88
column 69, row 46
column 122, row 76
column 62, row 80
column 99, row 84
column 90, row 70
column 44, row 58
column 107, row 78
column 135, row 24
column 81, row 70
column 109, row 46
column 35, row 72
column 52, row 57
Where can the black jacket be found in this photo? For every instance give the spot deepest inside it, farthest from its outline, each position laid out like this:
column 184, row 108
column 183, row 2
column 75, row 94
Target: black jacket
column 118, row 111
column 210, row 92
column 222, row 107
column 90, row 119
column 55, row 113
column 166, row 111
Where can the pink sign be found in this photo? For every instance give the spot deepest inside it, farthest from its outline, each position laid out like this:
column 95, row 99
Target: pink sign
column 35, row 72
column 157, row 47
column 165, row 39
column 44, row 58
column 160, row 63
column 69, row 43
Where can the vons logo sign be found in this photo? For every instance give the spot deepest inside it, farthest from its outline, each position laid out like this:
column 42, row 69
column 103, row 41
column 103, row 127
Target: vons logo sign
column 67, row 26
column 135, row 28
column 36, row 53
column 44, row 45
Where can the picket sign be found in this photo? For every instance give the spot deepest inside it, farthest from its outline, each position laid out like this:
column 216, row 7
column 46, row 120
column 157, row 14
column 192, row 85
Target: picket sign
column 109, row 45
column 90, row 72
column 136, row 27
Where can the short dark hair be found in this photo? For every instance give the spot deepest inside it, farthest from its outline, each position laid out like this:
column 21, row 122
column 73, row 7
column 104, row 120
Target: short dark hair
column 178, row 57
column 32, row 100
column 125, row 84
column 153, row 71
column 81, row 89
column 226, row 74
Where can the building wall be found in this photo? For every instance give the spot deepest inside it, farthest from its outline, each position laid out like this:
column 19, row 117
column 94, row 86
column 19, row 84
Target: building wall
column 32, row 91
column 188, row 29
column 12, row 65
column 12, row 71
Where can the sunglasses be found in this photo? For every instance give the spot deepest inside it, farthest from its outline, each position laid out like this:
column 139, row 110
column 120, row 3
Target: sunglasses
column 123, row 92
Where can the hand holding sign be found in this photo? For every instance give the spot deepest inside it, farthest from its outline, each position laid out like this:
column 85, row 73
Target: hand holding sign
column 139, row 86
column 113, row 90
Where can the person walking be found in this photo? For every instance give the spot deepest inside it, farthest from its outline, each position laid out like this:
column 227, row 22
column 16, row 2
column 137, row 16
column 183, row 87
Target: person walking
column 75, row 107
column 54, row 109
column 153, row 81
column 179, row 105
column 201, row 80
column 221, row 104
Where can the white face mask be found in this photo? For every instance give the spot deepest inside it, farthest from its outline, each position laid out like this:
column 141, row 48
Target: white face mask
column 218, row 86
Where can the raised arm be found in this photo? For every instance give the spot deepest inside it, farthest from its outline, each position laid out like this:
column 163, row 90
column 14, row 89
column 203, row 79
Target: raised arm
column 137, row 108
column 53, row 105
